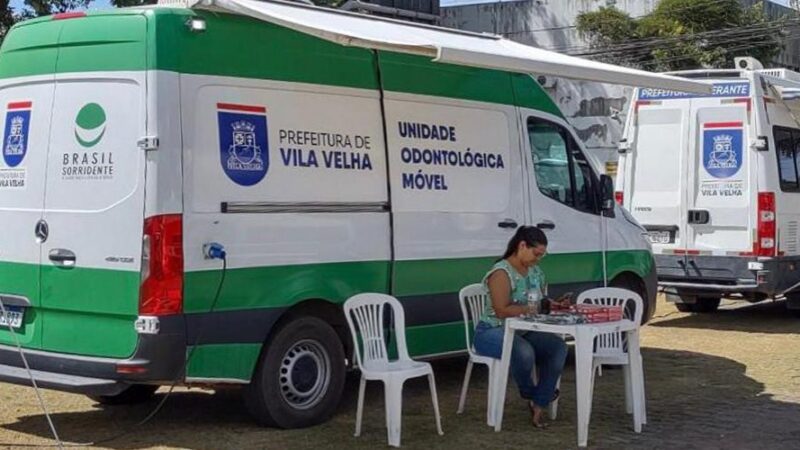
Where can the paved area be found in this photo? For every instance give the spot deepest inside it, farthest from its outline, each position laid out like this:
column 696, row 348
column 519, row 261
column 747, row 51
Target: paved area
column 727, row 380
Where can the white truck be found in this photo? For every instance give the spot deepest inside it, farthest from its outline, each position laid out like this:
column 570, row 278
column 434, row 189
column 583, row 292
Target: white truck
column 714, row 180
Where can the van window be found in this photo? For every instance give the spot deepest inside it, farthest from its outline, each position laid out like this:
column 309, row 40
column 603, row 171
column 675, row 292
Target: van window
column 786, row 145
column 562, row 171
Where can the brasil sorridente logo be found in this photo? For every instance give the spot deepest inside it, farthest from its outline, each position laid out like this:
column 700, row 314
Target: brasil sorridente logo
column 90, row 125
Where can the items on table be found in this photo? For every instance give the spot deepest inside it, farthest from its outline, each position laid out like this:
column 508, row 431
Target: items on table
column 591, row 313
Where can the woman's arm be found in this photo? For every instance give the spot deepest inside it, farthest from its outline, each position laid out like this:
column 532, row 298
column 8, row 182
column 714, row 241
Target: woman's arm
column 500, row 293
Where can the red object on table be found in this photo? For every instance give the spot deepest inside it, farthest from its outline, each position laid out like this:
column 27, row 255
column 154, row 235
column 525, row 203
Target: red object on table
column 592, row 313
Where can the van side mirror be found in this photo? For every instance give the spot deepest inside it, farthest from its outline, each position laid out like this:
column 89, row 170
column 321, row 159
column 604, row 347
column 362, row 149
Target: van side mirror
column 606, row 193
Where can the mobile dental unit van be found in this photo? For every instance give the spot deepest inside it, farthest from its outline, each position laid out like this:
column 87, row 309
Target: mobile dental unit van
column 714, row 180
column 189, row 194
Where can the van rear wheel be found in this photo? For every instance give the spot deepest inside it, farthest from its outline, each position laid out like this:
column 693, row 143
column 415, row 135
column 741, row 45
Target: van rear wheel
column 300, row 376
column 135, row 393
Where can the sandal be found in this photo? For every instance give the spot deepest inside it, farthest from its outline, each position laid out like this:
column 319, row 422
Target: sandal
column 541, row 424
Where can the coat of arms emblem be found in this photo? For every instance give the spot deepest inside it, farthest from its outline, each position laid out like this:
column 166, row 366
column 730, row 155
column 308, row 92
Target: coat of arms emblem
column 722, row 155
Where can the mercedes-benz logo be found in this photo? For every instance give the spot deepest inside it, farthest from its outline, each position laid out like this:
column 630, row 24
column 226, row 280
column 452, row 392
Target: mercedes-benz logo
column 41, row 231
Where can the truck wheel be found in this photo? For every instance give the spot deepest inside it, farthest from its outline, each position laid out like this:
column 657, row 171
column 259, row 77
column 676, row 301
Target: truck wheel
column 701, row 305
column 793, row 304
column 300, row 376
column 135, row 393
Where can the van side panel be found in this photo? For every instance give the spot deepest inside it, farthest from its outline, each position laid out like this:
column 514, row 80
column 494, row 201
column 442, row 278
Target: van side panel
column 446, row 207
column 273, row 171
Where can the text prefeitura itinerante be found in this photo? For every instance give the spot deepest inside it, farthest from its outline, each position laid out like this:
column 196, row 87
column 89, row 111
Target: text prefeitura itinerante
column 419, row 179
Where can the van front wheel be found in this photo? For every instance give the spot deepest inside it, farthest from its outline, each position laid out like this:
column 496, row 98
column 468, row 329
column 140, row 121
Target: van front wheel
column 300, row 376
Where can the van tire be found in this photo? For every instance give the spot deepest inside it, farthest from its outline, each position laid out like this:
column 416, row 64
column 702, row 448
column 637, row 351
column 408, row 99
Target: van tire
column 304, row 356
column 635, row 284
column 702, row 305
column 135, row 393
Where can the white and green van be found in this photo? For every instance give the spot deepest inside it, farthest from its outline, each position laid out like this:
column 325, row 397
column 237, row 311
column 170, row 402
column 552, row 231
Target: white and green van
column 135, row 138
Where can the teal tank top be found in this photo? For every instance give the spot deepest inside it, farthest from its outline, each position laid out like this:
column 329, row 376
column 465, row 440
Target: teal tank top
column 520, row 285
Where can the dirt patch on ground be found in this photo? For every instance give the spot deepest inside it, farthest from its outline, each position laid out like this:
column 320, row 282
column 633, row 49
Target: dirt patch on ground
column 725, row 380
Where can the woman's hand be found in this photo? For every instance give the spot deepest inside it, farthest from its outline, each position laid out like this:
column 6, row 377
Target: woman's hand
column 564, row 301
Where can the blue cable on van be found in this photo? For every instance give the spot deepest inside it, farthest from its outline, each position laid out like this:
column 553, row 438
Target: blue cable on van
column 211, row 250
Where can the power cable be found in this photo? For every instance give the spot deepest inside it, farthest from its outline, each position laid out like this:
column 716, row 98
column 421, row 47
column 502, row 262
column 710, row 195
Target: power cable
column 637, row 55
column 730, row 49
column 30, row 375
column 149, row 416
column 636, row 43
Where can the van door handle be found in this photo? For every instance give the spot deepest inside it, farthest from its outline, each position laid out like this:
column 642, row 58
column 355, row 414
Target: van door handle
column 546, row 225
column 62, row 256
column 508, row 223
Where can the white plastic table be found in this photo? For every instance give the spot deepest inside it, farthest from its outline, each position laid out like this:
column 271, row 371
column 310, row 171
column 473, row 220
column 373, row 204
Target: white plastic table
column 584, row 335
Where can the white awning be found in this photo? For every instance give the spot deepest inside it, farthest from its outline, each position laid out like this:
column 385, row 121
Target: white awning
column 441, row 44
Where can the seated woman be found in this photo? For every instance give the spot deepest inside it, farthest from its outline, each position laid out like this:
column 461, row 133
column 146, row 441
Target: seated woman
column 509, row 282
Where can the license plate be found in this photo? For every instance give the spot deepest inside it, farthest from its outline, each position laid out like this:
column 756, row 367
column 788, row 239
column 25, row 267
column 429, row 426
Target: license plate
column 12, row 316
column 659, row 237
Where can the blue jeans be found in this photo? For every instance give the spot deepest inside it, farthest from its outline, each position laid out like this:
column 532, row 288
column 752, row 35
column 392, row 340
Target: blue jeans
column 547, row 350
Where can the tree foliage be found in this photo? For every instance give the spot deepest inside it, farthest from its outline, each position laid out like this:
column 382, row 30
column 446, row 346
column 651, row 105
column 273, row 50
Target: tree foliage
column 127, row 3
column 682, row 34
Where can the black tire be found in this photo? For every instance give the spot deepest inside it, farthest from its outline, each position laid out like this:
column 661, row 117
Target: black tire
column 793, row 304
column 135, row 393
column 300, row 376
column 635, row 284
column 702, row 305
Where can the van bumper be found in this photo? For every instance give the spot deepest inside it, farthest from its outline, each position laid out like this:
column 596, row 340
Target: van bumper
column 158, row 359
column 707, row 274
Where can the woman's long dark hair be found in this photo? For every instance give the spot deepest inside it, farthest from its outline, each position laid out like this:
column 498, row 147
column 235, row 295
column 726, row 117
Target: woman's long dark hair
column 532, row 236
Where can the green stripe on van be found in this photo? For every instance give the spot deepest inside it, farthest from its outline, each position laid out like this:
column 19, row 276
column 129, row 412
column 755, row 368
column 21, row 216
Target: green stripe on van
column 278, row 286
column 283, row 286
column 22, row 279
column 90, row 311
column 233, row 361
column 437, row 276
column 119, row 40
column 240, row 359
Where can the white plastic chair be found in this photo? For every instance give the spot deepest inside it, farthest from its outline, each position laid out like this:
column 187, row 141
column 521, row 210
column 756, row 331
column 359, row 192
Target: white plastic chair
column 611, row 348
column 373, row 359
column 473, row 300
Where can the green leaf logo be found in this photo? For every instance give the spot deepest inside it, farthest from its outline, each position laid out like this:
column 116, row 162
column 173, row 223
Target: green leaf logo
column 90, row 125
